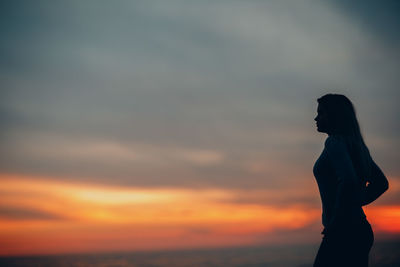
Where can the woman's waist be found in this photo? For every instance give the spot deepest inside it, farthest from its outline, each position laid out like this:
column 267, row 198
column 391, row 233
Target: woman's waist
column 359, row 227
column 350, row 216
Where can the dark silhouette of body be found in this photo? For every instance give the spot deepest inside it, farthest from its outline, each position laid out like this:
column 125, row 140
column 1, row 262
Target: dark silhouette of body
column 347, row 179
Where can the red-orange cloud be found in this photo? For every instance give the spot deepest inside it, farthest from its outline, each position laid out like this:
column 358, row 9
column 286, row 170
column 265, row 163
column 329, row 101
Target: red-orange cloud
column 57, row 217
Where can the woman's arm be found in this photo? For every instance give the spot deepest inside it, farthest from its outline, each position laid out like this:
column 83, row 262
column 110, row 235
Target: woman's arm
column 377, row 184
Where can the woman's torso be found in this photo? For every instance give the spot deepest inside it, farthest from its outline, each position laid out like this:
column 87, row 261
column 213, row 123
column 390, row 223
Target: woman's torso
column 327, row 181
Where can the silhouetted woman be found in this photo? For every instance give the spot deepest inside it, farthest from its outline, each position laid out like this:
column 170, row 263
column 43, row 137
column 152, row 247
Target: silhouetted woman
column 348, row 179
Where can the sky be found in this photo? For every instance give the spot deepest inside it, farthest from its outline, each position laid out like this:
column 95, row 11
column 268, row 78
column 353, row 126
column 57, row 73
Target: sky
column 138, row 125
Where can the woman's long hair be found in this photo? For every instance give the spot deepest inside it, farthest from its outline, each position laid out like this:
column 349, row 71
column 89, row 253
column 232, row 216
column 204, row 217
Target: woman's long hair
column 343, row 122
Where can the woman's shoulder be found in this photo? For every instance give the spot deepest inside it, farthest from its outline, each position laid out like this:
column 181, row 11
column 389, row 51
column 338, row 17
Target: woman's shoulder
column 336, row 148
column 334, row 140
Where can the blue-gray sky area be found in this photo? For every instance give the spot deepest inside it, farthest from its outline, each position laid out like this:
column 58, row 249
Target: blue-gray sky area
column 218, row 94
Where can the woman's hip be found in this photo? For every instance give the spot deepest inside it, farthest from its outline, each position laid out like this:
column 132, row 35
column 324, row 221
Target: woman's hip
column 346, row 246
column 356, row 233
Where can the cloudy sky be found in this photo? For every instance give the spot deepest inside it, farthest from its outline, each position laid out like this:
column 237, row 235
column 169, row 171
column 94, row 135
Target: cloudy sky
column 193, row 117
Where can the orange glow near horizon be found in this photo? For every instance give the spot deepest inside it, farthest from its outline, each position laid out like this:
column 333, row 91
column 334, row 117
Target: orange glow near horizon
column 43, row 216
column 386, row 218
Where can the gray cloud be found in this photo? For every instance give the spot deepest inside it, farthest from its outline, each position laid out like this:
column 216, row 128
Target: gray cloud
column 379, row 18
column 22, row 213
column 237, row 80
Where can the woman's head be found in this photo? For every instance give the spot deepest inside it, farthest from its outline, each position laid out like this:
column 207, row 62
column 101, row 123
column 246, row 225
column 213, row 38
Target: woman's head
column 336, row 115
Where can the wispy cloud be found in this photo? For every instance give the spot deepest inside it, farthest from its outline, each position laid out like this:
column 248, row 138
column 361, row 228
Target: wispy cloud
column 186, row 217
column 20, row 213
column 42, row 211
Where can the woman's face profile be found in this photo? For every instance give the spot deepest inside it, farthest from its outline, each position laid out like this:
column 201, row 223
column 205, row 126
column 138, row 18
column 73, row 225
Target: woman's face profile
column 322, row 119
